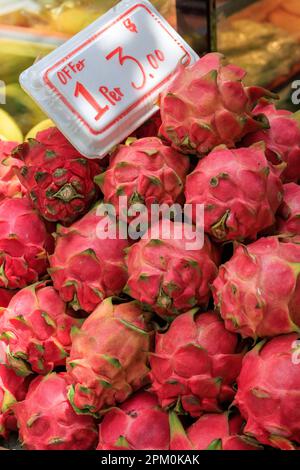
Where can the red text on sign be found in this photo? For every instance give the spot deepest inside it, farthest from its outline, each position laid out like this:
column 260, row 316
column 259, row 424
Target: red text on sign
column 68, row 71
column 81, row 90
column 113, row 97
column 153, row 59
column 130, row 25
column 122, row 59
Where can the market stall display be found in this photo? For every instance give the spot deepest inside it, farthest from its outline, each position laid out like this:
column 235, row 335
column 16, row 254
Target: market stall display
column 122, row 331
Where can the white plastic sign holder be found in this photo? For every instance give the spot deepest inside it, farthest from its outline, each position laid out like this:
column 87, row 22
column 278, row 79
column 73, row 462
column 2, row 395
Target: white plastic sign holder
column 102, row 84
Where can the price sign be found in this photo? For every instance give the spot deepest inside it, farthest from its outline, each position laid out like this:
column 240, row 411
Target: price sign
column 103, row 83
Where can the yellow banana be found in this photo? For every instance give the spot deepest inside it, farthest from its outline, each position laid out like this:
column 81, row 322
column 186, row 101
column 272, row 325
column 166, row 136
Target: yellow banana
column 41, row 126
column 9, row 128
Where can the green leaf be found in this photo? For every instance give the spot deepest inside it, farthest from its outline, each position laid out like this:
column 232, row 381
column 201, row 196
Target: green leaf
column 132, row 327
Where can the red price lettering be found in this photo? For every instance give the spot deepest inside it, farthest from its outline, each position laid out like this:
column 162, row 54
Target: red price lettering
column 155, row 58
column 122, row 59
column 130, row 25
column 152, row 58
column 81, row 90
column 113, row 96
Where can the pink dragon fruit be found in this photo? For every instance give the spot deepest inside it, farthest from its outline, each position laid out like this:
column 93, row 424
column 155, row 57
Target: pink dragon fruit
column 166, row 274
column 139, row 424
column 239, row 191
column 47, row 421
column 207, row 105
column 195, row 363
column 268, row 393
column 36, row 327
column 108, row 359
column 146, row 171
column 288, row 216
column 59, row 180
column 13, row 388
column 211, row 431
column 282, row 139
column 150, row 128
column 24, row 244
column 86, row 267
column 258, row 289
column 10, row 185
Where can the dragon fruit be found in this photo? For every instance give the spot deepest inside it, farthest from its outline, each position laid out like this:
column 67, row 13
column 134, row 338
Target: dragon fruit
column 282, row 139
column 85, row 267
column 146, row 171
column 258, row 289
column 139, row 424
column 207, row 105
column 268, row 393
column 167, row 275
column 47, row 421
column 288, row 216
column 13, row 388
column 10, row 185
column 24, row 244
column 150, row 128
column 5, row 297
column 195, row 363
column 239, row 191
column 108, row 359
column 36, row 327
column 59, row 180
column 211, row 431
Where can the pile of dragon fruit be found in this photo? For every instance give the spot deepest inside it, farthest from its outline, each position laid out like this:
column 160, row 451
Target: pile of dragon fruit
column 116, row 344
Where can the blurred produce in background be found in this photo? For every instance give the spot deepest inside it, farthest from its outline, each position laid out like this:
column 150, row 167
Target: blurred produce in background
column 263, row 37
column 65, row 16
column 267, row 52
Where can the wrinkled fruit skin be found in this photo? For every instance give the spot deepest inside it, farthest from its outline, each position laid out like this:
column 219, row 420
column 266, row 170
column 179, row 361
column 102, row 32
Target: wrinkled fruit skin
column 288, row 216
column 269, row 392
column 146, row 172
column 208, row 105
column 258, row 290
column 10, row 185
column 150, row 128
column 59, row 180
column 36, row 328
column 108, row 357
column 167, row 275
column 24, row 244
column 282, row 139
column 86, row 269
column 139, row 424
column 213, row 431
column 47, row 421
column 13, row 388
column 239, row 190
column 197, row 362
